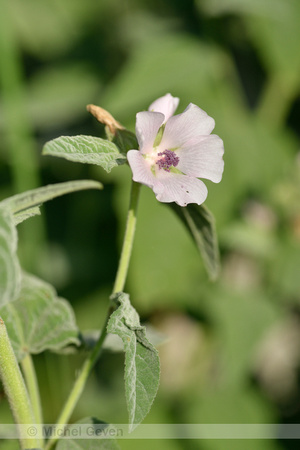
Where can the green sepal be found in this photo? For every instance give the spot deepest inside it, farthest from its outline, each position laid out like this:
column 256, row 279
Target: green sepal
column 125, row 140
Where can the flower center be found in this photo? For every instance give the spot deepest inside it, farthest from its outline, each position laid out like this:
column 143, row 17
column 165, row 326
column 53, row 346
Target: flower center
column 167, row 160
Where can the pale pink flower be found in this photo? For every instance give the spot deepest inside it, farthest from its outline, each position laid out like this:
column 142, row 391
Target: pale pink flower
column 174, row 151
column 166, row 105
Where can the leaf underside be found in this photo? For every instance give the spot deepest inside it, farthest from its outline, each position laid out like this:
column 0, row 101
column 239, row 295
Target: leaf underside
column 10, row 272
column 38, row 320
column 142, row 368
column 27, row 203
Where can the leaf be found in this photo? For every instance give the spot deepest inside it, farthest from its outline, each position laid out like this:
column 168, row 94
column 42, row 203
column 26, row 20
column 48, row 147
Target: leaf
column 19, row 217
column 86, row 149
column 38, row 320
column 201, row 225
column 142, row 367
column 114, row 343
column 91, row 427
column 29, row 200
column 10, row 272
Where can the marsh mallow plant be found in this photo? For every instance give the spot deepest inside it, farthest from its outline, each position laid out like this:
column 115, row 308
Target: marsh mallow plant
column 169, row 153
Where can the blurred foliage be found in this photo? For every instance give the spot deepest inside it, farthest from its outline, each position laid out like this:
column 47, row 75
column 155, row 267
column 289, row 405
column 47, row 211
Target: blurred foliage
column 233, row 348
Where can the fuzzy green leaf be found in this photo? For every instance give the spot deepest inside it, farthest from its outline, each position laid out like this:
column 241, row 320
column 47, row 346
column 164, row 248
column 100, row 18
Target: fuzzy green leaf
column 201, row 225
column 10, row 273
column 26, row 204
column 19, row 217
column 92, row 427
column 38, row 320
column 86, row 149
column 113, row 342
column 142, row 367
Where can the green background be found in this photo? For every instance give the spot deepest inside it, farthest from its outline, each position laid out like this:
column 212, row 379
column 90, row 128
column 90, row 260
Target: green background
column 231, row 349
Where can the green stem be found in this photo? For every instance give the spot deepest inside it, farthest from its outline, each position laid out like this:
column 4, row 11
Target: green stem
column 15, row 389
column 118, row 286
column 128, row 239
column 32, row 386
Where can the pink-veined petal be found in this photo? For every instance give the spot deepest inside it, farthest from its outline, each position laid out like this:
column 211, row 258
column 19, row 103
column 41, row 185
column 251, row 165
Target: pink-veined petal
column 166, row 105
column 190, row 124
column 141, row 170
column 179, row 188
column 147, row 126
column 203, row 159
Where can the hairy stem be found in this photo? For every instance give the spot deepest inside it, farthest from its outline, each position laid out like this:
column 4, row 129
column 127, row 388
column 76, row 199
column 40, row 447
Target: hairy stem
column 15, row 390
column 128, row 239
column 32, row 387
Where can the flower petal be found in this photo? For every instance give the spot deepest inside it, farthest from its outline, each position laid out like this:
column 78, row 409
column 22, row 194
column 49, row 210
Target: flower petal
column 147, row 126
column 190, row 124
column 166, row 105
column 203, row 159
column 179, row 188
column 141, row 170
